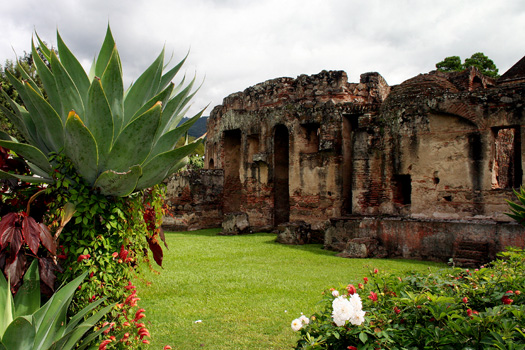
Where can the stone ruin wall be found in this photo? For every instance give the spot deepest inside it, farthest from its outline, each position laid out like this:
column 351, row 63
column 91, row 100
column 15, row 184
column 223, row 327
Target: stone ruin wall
column 418, row 170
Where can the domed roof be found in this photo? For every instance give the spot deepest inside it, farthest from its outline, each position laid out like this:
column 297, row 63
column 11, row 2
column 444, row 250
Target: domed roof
column 434, row 83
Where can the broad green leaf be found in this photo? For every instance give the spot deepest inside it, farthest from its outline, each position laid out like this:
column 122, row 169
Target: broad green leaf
column 69, row 94
column 52, row 316
column 157, row 169
column 27, row 299
column 113, row 87
column 47, row 121
column 29, row 153
column 2, row 346
column 77, row 333
column 27, row 78
column 48, row 80
column 25, row 178
column 105, row 53
column 20, row 335
column 37, row 171
column 16, row 119
column 73, row 67
column 143, row 89
column 98, row 117
column 43, row 47
column 81, row 148
column 135, row 141
column 170, row 139
column 112, row 183
column 169, row 114
column 161, row 97
column 169, row 75
column 6, row 304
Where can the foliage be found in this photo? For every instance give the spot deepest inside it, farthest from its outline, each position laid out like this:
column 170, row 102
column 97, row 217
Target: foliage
column 26, row 325
column 119, row 141
column 484, row 64
column 107, row 237
column 453, row 309
column 518, row 209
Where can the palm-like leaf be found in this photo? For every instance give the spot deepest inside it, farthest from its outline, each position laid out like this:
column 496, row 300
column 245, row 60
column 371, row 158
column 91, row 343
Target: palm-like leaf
column 119, row 142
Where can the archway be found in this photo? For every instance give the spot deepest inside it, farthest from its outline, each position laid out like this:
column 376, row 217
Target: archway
column 281, row 159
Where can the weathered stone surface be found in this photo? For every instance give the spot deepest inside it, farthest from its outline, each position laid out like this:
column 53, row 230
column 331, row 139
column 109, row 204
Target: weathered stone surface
column 417, row 167
column 298, row 232
column 235, row 224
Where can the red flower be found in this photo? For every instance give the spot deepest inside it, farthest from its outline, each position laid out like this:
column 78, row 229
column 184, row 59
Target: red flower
column 376, row 270
column 396, row 310
column 506, row 300
column 469, row 312
column 360, row 286
column 373, row 296
column 352, row 348
column 365, row 279
column 465, row 300
column 82, row 257
column 167, row 347
column 351, row 289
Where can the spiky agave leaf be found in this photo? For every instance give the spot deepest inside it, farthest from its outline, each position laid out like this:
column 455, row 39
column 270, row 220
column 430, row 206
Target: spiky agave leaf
column 118, row 141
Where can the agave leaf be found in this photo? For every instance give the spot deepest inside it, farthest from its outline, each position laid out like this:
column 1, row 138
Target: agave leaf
column 77, row 333
column 73, row 67
column 6, row 304
column 105, row 53
column 16, row 119
column 29, row 106
column 161, row 97
column 52, row 316
column 169, row 114
column 128, row 149
column 27, row 78
column 143, row 89
column 514, row 207
column 37, row 171
column 168, row 140
column 112, row 183
column 78, row 317
column 81, row 148
column 43, row 48
column 28, row 152
column 69, row 94
column 113, row 87
column 26, row 178
column 48, row 79
column 20, row 334
column 98, row 117
column 2, row 346
column 169, row 75
column 27, row 299
column 47, row 121
column 157, row 169
column 88, row 339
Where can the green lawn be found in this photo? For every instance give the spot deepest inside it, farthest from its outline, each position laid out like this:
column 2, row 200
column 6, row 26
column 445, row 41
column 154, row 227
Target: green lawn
column 245, row 289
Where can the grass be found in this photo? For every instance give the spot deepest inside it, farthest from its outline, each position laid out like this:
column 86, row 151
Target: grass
column 245, row 289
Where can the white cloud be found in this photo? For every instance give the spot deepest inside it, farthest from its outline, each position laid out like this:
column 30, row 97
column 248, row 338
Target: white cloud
column 238, row 43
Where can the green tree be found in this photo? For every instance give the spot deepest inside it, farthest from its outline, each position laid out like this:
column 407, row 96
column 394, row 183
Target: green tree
column 479, row 60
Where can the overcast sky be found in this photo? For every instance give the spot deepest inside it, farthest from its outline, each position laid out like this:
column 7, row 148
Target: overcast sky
column 235, row 44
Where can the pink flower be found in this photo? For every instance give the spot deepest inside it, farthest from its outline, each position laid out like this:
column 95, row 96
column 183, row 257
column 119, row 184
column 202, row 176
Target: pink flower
column 373, row 296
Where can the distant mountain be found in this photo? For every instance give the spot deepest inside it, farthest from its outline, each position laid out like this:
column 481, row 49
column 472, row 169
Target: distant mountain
column 198, row 129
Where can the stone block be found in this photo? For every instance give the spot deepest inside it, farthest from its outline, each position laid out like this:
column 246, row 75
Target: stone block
column 235, row 224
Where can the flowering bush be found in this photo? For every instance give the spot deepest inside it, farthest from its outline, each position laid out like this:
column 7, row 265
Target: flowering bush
column 452, row 309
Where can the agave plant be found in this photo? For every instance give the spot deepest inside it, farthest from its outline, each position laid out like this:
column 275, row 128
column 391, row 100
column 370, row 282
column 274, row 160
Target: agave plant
column 518, row 209
column 26, row 325
column 119, row 141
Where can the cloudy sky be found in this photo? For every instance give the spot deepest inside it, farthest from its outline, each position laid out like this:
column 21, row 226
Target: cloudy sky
column 235, row 44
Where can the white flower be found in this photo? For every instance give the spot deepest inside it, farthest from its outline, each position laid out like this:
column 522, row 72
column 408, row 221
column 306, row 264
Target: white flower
column 335, row 293
column 297, row 324
column 304, row 319
column 348, row 310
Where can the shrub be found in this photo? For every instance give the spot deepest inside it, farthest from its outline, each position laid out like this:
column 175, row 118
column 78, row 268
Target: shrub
column 452, row 309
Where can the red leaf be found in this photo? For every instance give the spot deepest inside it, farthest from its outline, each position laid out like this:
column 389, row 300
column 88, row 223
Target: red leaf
column 156, row 250
column 31, row 232
column 13, row 236
column 9, row 220
column 47, row 269
column 47, row 239
column 15, row 270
